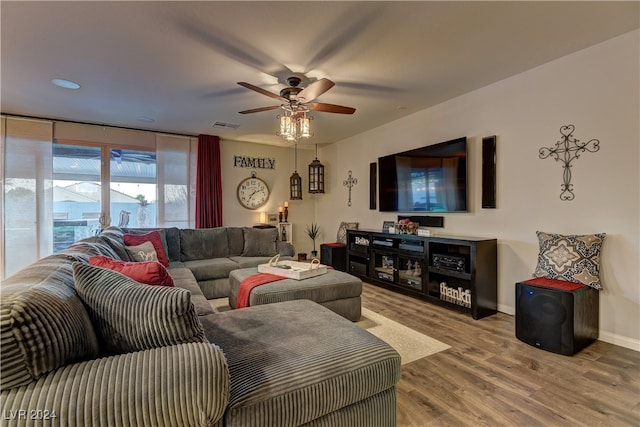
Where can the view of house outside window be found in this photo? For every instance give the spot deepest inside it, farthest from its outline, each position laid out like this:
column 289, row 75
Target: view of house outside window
column 78, row 198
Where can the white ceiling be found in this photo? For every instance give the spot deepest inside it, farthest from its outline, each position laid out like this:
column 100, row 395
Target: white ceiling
column 179, row 62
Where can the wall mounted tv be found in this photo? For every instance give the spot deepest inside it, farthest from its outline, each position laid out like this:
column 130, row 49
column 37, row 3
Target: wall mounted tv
column 427, row 179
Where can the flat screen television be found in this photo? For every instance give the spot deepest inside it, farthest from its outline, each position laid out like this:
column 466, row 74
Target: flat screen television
column 427, row 179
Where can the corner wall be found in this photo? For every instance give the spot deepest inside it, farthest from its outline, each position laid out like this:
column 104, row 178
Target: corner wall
column 301, row 212
column 597, row 90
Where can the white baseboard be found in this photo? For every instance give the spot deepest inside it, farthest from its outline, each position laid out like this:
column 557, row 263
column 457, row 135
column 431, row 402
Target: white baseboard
column 616, row 339
column 507, row 309
column 608, row 337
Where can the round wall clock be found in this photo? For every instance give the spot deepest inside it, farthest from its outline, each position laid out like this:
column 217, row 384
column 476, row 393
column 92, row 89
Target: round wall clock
column 252, row 192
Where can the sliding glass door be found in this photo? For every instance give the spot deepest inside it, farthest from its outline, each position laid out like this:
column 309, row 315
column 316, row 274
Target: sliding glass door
column 64, row 182
column 98, row 186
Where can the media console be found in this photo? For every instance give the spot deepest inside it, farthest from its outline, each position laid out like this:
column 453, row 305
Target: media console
column 458, row 272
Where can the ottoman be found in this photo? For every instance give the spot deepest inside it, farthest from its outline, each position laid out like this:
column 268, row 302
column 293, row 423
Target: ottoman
column 296, row 363
column 338, row 291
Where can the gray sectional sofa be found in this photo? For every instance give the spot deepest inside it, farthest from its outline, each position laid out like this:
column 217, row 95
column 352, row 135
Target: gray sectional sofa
column 84, row 345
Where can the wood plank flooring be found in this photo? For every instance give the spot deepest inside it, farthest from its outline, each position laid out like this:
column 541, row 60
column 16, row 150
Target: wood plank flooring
column 490, row 378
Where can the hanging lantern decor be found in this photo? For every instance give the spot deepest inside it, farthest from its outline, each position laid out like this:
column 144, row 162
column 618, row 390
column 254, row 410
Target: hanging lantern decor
column 316, row 175
column 295, row 182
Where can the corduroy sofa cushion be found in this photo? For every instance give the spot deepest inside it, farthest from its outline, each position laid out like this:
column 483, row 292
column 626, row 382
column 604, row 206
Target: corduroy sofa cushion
column 42, row 328
column 259, row 242
column 181, row 385
column 129, row 316
column 114, row 237
column 294, row 362
column 203, row 243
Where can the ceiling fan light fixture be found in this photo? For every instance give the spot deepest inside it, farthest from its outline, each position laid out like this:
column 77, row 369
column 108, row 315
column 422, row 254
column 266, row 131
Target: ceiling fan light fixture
column 294, row 121
column 305, row 126
column 285, row 125
column 294, row 124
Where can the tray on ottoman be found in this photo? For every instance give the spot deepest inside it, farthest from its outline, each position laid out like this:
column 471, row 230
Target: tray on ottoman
column 293, row 269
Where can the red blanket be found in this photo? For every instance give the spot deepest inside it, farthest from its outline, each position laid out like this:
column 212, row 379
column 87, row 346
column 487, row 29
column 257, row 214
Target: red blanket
column 247, row 285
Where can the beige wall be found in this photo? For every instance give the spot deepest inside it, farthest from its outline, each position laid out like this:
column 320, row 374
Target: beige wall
column 301, row 212
column 597, row 90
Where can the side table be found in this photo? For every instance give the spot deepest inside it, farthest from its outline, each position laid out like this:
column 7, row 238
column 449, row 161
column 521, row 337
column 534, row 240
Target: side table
column 334, row 254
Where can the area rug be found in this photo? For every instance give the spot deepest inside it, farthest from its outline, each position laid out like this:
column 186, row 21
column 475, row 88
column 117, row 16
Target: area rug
column 412, row 345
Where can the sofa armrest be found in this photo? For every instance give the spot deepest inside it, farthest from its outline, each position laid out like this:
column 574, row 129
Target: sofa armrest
column 285, row 248
column 180, row 385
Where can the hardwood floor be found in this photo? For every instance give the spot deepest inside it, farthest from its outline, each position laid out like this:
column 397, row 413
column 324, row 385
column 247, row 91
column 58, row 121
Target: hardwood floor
column 490, row 378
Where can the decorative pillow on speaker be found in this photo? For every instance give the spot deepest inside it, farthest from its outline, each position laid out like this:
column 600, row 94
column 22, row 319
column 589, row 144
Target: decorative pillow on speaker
column 574, row 258
column 342, row 230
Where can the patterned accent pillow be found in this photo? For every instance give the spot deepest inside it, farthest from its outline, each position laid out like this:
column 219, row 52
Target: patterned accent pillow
column 153, row 237
column 574, row 258
column 132, row 317
column 150, row 273
column 142, row 253
column 342, row 230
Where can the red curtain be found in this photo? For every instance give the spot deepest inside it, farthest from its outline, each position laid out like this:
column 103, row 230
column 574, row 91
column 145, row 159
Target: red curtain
column 208, row 183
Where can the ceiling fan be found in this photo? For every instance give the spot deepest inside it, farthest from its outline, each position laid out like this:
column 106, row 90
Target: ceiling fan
column 298, row 100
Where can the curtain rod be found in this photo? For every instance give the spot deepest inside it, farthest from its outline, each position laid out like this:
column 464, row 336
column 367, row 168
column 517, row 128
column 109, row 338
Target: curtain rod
column 96, row 124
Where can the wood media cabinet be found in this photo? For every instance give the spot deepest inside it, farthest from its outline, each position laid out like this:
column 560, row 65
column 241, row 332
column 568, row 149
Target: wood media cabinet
column 457, row 272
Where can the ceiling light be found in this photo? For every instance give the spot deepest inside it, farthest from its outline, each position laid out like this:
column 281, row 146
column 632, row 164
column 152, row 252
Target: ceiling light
column 67, row 84
column 294, row 122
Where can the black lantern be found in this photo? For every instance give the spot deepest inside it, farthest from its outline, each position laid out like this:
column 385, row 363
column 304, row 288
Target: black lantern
column 316, row 175
column 295, row 182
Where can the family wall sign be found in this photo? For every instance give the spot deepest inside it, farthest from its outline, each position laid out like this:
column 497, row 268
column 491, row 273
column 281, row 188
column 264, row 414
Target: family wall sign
column 253, row 162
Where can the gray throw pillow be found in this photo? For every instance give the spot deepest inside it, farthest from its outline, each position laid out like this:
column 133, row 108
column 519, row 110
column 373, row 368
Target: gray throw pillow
column 203, row 243
column 260, row 241
column 43, row 328
column 129, row 316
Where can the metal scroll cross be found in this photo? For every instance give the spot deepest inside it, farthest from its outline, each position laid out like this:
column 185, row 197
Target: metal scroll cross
column 350, row 182
column 566, row 151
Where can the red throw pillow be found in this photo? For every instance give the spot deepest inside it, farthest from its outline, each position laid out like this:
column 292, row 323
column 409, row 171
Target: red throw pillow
column 148, row 272
column 153, row 237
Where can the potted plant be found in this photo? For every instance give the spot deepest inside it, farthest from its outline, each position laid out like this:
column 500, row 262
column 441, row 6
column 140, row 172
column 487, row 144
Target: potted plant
column 312, row 231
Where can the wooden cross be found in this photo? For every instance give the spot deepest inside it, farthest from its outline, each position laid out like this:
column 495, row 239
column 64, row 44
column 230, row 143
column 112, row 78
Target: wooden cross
column 567, row 150
column 350, row 182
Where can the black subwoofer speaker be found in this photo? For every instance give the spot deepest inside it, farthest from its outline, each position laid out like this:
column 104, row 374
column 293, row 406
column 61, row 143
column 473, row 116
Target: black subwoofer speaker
column 562, row 320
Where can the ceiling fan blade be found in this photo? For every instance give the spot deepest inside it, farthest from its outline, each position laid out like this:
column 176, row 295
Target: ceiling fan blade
column 263, row 91
column 315, row 89
column 257, row 110
column 331, row 108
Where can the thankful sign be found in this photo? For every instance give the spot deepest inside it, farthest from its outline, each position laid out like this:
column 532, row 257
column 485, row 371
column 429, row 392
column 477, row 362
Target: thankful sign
column 458, row 296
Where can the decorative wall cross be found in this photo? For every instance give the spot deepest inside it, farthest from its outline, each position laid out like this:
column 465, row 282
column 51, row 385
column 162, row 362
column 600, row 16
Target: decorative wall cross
column 566, row 151
column 350, row 182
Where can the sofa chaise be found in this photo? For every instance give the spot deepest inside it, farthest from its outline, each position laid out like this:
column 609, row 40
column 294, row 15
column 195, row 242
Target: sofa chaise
column 86, row 345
